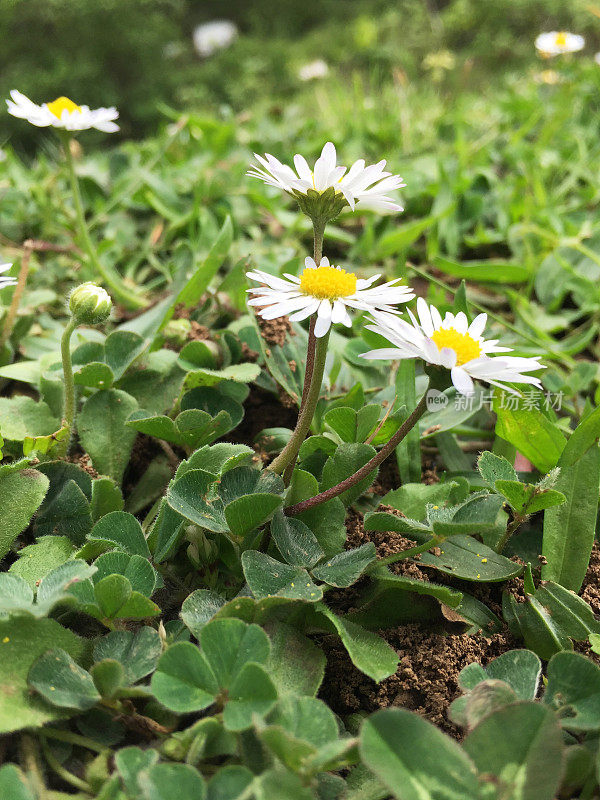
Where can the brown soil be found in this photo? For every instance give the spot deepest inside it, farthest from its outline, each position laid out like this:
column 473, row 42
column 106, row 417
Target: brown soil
column 590, row 591
column 274, row 331
column 427, row 677
column 262, row 410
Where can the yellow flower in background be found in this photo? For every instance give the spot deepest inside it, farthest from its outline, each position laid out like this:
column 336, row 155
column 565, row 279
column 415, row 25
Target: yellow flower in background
column 62, row 113
column 439, row 63
column 556, row 43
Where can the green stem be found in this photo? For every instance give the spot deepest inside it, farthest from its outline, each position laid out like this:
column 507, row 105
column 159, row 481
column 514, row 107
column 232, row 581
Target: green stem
column 58, row 768
column 511, row 529
column 73, row 738
column 119, row 291
column 69, row 410
column 17, row 294
column 366, row 470
column 410, row 553
column 30, row 761
column 290, row 452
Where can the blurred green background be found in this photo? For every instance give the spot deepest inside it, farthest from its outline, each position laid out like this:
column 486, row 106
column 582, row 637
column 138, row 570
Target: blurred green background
column 138, row 54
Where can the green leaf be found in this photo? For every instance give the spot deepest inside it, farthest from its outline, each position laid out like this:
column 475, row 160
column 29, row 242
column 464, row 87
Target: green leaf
column 229, row 783
column 530, row 432
column 37, row 560
column 205, row 272
column 241, row 373
column 415, row 760
column 528, row 498
column 295, row 664
column 244, row 514
column 228, row 644
column 130, row 761
column 21, row 494
column 466, row 558
column 327, row 522
column 184, row 681
column 62, row 682
column 368, row 652
column 199, row 607
column 67, row 514
column 95, row 374
column 585, row 435
column 295, row 541
column 520, row 669
column 22, row 416
column 187, row 496
column 138, row 570
column 412, row 498
column 493, row 468
column 13, row 784
column 108, row 676
column 167, row 781
column 103, row 432
column 122, row 530
column 192, row 428
column 106, row 497
column 251, row 692
column 528, row 762
column 267, row 577
column 138, row 652
column 22, row 641
column 345, row 568
column 348, row 459
column 569, row 529
column 493, row 271
column 574, row 691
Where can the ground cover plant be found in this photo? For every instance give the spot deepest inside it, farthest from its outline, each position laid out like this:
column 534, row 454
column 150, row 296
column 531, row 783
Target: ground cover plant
column 300, row 467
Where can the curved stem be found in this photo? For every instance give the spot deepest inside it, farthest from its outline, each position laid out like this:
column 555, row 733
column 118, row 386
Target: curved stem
column 363, row 472
column 120, row 292
column 17, row 294
column 58, row 768
column 290, row 452
column 69, row 410
column 410, row 553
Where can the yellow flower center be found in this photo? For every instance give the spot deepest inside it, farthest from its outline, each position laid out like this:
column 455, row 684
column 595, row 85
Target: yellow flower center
column 561, row 39
column 465, row 347
column 62, row 104
column 327, row 283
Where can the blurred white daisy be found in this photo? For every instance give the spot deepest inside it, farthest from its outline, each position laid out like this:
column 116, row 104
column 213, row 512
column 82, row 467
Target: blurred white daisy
column 6, row 280
column 325, row 291
column 454, row 344
column 597, row 58
column 213, row 36
column 359, row 185
column 313, row 70
column 62, row 113
column 556, row 43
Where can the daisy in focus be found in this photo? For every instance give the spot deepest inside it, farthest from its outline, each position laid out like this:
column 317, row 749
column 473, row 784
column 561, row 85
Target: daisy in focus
column 62, row 113
column 367, row 186
column 6, row 280
column 325, row 291
column 558, row 43
column 454, row 344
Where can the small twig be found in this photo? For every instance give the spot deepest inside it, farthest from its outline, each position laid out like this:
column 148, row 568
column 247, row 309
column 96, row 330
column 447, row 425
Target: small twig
column 170, row 453
column 370, row 438
column 17, row 294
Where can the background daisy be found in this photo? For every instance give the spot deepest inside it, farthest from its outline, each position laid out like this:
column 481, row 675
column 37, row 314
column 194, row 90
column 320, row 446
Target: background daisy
column 367, row 186
column 325, row 291
column 6, row 280
column 556, row 43
column 454, row 344
column 62, row 113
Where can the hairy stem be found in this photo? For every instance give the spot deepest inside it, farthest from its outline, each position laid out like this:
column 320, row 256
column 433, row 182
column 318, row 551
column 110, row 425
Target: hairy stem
column 73, row 738
column 119, row 291
column 69, row 409
column 30, row 761
column 371, row 465
column 17, row 294
column 62, row 773
column 290, row 452
column 410, row 553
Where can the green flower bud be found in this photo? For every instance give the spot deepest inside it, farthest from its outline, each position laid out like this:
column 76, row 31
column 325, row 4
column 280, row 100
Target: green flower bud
column 89, row 304
column 321, row 207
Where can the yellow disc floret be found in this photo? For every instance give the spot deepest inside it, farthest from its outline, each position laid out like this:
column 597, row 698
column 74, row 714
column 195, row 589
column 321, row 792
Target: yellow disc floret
column 327, row 283
column 561, row 39
column 465, row 347
column 62, row 104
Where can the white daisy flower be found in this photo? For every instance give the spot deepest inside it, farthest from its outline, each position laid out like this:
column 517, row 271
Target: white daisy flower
column 313, row 70
column 62, row 113
column 325, row 291
column 454, row 344
column 362, row 185
column 558, row 43
column 213, row 36
column 7, row 280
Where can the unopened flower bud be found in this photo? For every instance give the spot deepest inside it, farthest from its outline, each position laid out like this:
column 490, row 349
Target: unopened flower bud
column 89, row 304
